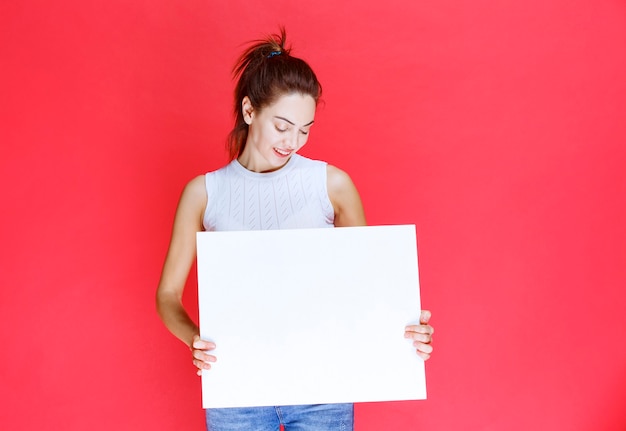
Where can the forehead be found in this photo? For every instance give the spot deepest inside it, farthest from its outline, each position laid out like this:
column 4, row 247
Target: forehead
column 295, row 107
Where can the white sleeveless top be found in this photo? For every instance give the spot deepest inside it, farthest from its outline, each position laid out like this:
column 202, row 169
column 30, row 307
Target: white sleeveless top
column 293, row 197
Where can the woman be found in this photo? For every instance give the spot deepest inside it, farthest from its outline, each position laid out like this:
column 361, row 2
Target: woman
column 267, row 185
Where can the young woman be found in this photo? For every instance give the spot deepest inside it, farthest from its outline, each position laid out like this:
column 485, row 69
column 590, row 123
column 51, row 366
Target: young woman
column 267, row 185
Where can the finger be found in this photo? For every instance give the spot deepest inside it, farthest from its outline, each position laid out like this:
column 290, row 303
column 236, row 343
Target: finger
column 202, row 344
column 421, row 329
column 425, row 316
column 423, row 347
column 422, row 337
column 201, row 365
column 202, row 361
column 202, row 356
column 424, row 356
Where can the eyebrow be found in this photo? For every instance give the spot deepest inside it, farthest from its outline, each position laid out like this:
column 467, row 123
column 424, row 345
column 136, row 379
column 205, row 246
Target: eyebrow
column 293, row 124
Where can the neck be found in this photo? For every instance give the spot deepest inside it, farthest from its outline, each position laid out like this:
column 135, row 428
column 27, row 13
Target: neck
column 255, row 164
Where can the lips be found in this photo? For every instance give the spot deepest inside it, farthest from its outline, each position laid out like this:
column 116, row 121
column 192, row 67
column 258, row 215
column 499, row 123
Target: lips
column 282, row 153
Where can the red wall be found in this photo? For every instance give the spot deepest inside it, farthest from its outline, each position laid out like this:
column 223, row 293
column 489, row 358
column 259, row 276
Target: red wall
column 497, row 127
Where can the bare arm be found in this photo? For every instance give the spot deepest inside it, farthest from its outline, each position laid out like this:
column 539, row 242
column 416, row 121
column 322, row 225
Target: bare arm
column 180, row 257
column 345, row 199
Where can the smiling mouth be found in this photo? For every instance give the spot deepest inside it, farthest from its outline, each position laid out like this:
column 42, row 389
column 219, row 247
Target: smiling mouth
column 282, row 153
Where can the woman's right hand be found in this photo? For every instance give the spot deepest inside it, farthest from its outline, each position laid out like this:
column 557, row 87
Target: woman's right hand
column 201, row 359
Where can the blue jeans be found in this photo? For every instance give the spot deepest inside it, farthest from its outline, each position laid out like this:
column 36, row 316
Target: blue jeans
column 317, row 417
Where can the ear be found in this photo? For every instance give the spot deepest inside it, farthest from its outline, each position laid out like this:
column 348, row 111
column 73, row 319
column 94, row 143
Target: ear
column 247, row 110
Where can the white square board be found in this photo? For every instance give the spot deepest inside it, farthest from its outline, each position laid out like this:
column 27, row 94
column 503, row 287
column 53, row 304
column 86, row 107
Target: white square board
column 309, row 316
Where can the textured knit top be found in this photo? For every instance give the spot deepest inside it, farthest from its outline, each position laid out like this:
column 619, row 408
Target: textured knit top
column 292, row 197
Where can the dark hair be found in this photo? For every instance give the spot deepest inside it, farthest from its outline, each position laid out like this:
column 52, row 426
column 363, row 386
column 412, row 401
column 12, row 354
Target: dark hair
column 266, row 71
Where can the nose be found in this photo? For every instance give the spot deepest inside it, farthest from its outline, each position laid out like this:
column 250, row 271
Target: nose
column 292, row 140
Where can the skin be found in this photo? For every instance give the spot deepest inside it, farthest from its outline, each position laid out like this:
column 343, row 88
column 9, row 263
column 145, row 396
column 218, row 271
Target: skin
column 275, row 133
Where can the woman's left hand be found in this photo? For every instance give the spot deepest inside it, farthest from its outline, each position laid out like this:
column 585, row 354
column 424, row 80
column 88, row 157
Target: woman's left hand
column 421, row 335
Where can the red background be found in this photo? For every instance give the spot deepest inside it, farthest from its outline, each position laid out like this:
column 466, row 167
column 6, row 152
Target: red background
column 497, row 127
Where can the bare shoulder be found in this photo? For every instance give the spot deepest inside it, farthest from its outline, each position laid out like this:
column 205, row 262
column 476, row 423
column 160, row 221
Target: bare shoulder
column 338, row 180
column 196, row 188
column 193, row 201
column 344, row 197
